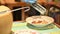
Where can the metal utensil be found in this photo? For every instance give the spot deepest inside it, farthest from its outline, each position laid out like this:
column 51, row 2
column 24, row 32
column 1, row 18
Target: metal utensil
column 39, row 8
column 27, row 9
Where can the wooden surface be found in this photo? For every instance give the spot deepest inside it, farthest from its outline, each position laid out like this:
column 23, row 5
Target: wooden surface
column 57, row 17
column 45, row 2
column 57, row 25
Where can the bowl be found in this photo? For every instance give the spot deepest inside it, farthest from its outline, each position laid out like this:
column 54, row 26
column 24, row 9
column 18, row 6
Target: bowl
column 40, row 21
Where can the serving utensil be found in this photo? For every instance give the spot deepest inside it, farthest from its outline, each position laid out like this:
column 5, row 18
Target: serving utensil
column 27, row 9
column 39, row 8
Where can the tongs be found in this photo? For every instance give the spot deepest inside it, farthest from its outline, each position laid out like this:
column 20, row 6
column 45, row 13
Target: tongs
column 39, row 8
column 27, row 9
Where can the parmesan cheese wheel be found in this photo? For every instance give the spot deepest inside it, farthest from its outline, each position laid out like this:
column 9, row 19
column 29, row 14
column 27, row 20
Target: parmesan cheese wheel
column 5, row 20
column 3, row 10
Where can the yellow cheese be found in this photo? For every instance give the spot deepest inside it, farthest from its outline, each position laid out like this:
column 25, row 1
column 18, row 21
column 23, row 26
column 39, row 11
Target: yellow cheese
column 3, row 8
column 5, row 20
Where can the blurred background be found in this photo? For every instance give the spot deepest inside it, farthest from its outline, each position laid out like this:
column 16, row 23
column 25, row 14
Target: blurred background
column 52, row 7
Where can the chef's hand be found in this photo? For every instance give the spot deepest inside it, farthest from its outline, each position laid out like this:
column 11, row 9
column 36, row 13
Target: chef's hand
column 30, row 1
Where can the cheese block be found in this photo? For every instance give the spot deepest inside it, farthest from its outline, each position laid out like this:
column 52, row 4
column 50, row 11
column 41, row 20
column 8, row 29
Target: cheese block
column 5, row 20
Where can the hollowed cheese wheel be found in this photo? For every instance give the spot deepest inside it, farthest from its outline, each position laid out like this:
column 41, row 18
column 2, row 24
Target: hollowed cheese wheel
column 5, row 20
column 4, row 8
